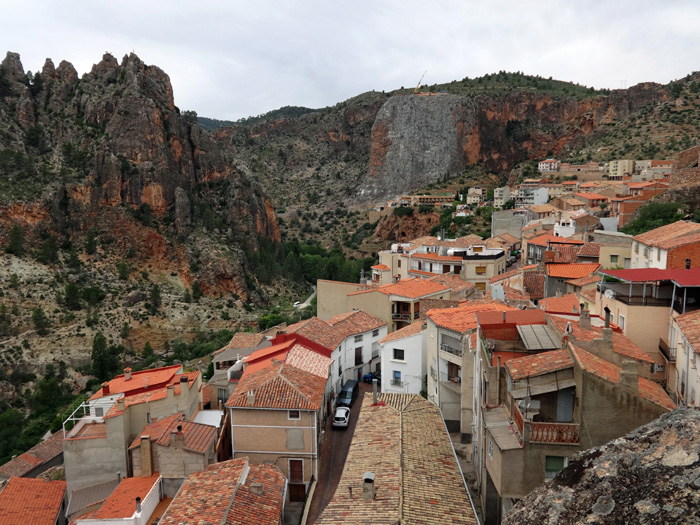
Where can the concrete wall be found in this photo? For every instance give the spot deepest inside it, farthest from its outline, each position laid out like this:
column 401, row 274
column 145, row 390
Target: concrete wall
column 333, row 297
column 622, row 251
column 506, row 222
column 173, row 463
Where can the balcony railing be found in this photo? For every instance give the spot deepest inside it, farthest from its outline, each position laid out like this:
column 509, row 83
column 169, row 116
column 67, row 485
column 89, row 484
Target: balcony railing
column 375, row 354
column 451, row 350
column 407, row 317
column 397, row 382
column 554, row 433
column 642, row 300
column 668, row 352
column 518, row 419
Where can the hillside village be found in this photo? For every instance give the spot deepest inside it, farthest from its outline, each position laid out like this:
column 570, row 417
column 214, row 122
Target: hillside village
column 478, row 368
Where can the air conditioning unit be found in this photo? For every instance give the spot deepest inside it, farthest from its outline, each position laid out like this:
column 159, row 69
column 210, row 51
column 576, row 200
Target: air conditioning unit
column 528, row 404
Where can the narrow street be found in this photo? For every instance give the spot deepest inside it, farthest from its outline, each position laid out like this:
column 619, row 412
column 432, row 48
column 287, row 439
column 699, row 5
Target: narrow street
column 333, row 455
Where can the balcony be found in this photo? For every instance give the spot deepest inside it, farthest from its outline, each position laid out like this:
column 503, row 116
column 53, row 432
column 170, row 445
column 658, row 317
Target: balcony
column 405, row 317
column 544, row 433
column 668, row 352
column 450, row 349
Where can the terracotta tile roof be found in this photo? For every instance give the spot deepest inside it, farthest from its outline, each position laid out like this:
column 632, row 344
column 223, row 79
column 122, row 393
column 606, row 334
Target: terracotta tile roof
column 403, row 441
column 690, row 326
column 542, row 208
column 565, row 304
column 381, row 267
column 453, row 282
column 144, row 380
column 222, row 494
column 355, row 322
column 409, row 288
column 206, row 393
column 279, row 386
column 571, row 271
column 541, row 240
column 198, row 438
column 41, row 453
column 122, row 502
column 664, row 234
column 538, row 364
column 31, row 501
column 609, row 372
column 528, row 267
column 308, row 360
column 566, row 254
column 590, row 196
column 690, row 238
column 533, row 282
column 591, row 184
column 318, row 331
column 585, row 280
column 590, row 249
column 621, row 344
column 406, row 331
column 507, row 238
column 463, row 318
column 513, row 294
column 590, row 295
column 506, row 275
column 245, row 340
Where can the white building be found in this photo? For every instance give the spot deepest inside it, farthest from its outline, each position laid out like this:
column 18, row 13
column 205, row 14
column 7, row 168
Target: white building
column 501, row 196
column 685, row 386
column 475, row 195
column 403, row 360
column 548, row 165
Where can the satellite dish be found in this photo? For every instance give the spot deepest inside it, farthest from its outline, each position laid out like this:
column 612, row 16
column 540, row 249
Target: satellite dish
column 609, row 294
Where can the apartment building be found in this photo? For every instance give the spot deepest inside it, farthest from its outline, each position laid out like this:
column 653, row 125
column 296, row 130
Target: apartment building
column 670, row 246
column 548, row 165
column 619, row 168
column 501, row 196
column 480, row 263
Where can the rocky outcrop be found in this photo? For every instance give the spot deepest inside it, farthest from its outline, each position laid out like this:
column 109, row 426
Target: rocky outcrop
column 392, row 228
column 651, row 475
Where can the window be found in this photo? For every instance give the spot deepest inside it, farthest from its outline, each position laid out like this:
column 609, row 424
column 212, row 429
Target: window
column 553, row 464
column 658, row 254
column 396, row 378
column 398, row 354
column 398, row 263
column 293, row 414
column 621, row 322
column 375, row 333
column 480, row 270
column 490, row 449
column 358, row 338
column 613, row 258
column 358, row 356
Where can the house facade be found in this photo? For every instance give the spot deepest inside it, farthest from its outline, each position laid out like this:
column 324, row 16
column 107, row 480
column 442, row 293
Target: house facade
column 403, row 368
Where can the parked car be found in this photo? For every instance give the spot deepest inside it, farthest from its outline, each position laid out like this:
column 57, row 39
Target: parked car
column 347, row 395
column 297, row 304
column 342, row 417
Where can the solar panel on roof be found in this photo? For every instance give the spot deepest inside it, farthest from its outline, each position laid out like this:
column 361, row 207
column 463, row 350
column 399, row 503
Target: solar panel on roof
column 537, row 337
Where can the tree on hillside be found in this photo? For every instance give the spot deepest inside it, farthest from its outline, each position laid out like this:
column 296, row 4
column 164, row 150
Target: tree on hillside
column 105, row 361
column 16, row 245
column 196, row 291
column 155, row 296
column 72, row 297
column 41, row 322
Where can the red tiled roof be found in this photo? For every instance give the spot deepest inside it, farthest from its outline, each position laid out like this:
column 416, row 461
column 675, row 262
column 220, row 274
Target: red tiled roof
column 308, row 360
column 197, row 437
column 220, row 494
column 571, row 271
column 142, row 381
column 453, row 282
column 621, row 344
column 590, row 196
column 463, row 318
column 533, row 282
column 664, row 234
column 690, row 326
column 318, row 331
column 538, row 364
column 585, row 280
column 406, row 331
column 565, row 304
column 355, row 322
column 41, row 453
column 590, row 249
column 492, row 319
column 245, row 340
column 279, row 386
column 609, row 372
column 506, row 275
column 528, row 267
column 122, row 502
column 31, row 501
column 566, row 254
column 409, row 288
column 381, row 267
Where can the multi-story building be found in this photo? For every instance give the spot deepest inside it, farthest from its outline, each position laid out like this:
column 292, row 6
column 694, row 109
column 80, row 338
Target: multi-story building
column 530, row 194
column 619, row 168
column 475, row 195
column 480, row 263
column 276, row 412
column 684, row 380
column 670, row 246
column 548, row 165
column 501, row 196
column 592, row 200
column 96, row 447
column 403, row 360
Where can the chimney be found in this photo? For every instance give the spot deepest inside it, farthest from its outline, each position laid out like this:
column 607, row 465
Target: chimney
column 119, row 477
column 584, row 320
column 628, row 375
column 607, row 317
column 177, row 438
column 256, row 488
column 138, row 504
column 146, row 457
column 120, row 404
column 250, row 398
column 607, row 337
column 558, row 294
column 127, row 374
column 368, row 490
column 184, row 379
column 105, row 388
column 504, row 316
column 374, row 391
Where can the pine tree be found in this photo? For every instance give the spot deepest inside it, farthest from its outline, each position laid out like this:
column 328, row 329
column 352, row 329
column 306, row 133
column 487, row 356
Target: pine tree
column 196, row 291
column 16, row 245
column 41, row 322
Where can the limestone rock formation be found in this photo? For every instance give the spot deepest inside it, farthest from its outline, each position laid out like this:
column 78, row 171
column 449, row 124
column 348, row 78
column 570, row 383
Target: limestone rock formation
column 651, row 475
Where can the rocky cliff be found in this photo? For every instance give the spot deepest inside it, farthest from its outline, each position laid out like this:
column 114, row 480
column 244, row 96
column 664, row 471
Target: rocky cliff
column 72, row 148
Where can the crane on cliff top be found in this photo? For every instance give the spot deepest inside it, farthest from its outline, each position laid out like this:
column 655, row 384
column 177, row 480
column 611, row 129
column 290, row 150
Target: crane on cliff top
column 415, row 91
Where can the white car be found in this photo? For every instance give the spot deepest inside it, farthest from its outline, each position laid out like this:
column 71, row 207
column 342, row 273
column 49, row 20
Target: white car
column 342, row 417
column 297, row 304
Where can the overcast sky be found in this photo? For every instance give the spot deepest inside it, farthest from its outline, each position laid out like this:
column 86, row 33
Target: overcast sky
column 229, row 59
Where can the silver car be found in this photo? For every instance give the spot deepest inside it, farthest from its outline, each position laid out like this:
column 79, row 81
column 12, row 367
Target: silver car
column 342, row 417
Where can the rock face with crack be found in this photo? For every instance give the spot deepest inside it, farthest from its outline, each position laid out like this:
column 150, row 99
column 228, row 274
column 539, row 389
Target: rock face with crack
column 652, row 475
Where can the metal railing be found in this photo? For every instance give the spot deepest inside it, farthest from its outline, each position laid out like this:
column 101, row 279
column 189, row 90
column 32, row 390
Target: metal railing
column 407, row 317
column 451, row 350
